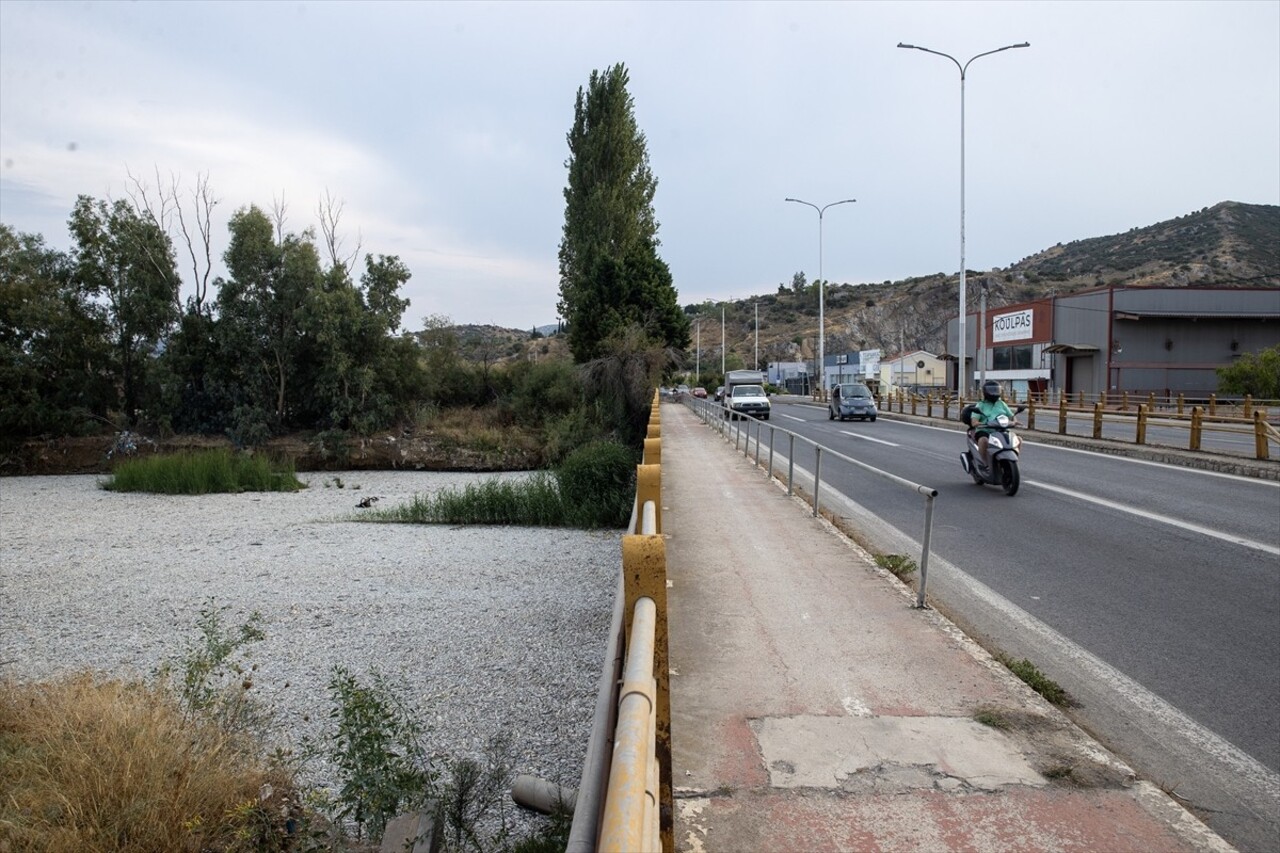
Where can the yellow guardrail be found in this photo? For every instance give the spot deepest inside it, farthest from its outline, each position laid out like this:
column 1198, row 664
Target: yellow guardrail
column 624, row 803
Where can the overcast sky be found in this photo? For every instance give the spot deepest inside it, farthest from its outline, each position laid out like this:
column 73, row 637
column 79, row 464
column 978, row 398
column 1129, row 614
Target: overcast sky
column 441, row 127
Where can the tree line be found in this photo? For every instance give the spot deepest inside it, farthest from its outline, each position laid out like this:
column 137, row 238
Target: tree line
column 99, row 337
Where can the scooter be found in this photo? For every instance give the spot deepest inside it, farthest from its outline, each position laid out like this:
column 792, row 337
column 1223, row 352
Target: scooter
column 1003, row 447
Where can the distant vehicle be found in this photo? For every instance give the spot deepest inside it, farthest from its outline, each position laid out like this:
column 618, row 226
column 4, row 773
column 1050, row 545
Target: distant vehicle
column 742, row 377
column 747, row 400
column 682, row 390
column 700, row 392
column 720, row 394
column 851, row 400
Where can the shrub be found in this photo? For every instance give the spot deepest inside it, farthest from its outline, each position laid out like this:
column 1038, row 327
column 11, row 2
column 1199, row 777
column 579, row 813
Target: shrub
column 378, row 748
column 597, row 482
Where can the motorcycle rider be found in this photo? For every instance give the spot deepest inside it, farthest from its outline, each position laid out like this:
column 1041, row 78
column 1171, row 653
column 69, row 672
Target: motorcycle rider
column 986, row 411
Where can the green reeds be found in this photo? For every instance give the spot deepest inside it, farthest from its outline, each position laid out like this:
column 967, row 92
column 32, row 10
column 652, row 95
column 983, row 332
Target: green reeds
column 201, row 473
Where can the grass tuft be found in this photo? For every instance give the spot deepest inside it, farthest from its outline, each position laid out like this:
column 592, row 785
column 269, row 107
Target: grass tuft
column 899, row 564
column 112, row 766
column 1036, row 680
column 593, row 488
column 202, row 473
column 993, row 718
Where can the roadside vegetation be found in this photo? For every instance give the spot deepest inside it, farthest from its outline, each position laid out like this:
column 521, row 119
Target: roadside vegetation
column 1031, row 675
column 184, row 762
column 202, row 473
column 593, row 487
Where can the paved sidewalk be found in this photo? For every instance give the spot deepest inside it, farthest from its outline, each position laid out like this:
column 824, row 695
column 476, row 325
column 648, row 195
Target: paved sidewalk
column 814, row 709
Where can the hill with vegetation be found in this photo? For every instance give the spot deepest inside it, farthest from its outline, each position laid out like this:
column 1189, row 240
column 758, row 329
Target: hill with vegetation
column 1228, row 245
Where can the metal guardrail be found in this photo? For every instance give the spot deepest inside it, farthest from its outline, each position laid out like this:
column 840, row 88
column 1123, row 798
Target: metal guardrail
column 720, row 418
column 1139, row 412
column 624, row 802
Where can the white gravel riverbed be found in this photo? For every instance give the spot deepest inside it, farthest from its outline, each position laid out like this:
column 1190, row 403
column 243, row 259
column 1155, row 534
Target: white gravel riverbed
column 482, row 629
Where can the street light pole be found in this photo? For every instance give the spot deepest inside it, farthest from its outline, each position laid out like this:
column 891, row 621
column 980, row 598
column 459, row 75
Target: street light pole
column 962, row 381
column 822, row 286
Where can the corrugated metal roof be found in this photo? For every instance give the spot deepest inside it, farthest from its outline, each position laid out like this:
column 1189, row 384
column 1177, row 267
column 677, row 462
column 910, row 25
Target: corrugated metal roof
column 1130, row 314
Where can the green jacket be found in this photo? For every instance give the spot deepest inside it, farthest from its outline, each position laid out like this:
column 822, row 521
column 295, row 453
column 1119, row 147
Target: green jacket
column 989, row 411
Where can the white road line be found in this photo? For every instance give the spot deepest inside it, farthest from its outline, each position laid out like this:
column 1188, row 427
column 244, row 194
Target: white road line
column 1163, row 519
column 1158, row 714
column 869, row 438
column 792, row 417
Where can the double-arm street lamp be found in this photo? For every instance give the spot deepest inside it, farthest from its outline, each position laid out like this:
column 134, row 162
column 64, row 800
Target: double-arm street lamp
column 822, row 320
column 962, row 380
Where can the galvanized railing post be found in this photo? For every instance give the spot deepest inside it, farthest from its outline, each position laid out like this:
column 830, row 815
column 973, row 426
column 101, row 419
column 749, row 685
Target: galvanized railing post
column 772, row 432
column 924, row 547
column 791, row 464
column 817, row 478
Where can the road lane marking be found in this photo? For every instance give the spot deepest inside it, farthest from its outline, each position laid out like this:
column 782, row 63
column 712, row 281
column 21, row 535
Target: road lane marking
column 793, row 417
column 1228, row 762
column 869, row 438
column 1163, row 519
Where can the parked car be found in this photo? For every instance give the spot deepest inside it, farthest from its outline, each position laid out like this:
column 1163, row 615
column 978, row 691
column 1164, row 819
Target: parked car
column 851, row 400
column 700, row 393
column 748, row 400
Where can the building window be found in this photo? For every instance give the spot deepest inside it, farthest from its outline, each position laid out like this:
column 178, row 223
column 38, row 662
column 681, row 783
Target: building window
column 1011, row 358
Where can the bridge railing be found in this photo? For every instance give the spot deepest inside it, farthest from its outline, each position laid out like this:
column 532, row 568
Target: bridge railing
column 737, row 427
column 624, row 800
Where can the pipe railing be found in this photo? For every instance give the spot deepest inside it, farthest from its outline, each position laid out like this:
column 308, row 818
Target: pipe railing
column 720, row 418
column 624, row 801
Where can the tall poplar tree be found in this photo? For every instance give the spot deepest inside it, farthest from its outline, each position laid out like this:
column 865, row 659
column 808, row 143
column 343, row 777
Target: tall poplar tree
column 611, row 276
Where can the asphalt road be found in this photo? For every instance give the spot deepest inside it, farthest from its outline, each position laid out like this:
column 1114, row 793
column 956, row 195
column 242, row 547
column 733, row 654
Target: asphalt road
column 1151, row 592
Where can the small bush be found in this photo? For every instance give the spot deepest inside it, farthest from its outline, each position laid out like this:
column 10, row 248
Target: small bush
column 899, row 564
column 202, row 473
column 598, row 483
column 1036, row 680
column 379, row 750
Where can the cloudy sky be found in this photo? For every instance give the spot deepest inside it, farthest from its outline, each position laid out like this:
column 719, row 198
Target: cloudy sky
column 440, row 126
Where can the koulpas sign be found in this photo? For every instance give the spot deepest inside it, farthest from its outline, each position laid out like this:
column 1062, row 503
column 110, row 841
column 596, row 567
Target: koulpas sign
column 1011, row 327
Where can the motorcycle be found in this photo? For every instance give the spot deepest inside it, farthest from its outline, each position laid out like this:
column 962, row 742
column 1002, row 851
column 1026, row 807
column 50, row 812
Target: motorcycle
column 1003, row 447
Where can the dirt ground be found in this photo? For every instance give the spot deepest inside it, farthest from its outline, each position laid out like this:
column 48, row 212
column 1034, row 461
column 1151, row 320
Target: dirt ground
column 385, row 451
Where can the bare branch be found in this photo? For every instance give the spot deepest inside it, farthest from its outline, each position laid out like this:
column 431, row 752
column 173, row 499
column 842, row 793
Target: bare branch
column 279, row 209
column 330, row 213
column 203, row 202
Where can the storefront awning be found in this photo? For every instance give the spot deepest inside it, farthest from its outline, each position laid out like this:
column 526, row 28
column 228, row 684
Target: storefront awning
column 1071, row 349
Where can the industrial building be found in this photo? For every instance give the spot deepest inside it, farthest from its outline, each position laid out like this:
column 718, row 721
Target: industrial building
column 1166, row 340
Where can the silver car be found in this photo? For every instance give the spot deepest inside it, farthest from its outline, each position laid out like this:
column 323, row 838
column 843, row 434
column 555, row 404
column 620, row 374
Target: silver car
column 851, row 400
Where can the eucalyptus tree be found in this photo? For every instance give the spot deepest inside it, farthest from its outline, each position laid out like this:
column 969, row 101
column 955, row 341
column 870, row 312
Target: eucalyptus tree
column 54, row 344
column 260, row 325
column 127, row 262
column 611, row 276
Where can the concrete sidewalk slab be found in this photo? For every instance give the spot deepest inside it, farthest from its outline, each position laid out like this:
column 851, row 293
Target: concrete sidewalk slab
column 815, row 709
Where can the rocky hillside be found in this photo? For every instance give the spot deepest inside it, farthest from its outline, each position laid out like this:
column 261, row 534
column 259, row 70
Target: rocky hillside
column 1229, row 244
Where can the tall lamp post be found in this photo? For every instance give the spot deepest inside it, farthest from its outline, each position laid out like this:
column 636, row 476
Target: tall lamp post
column 962, row 381
column 822, row 286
